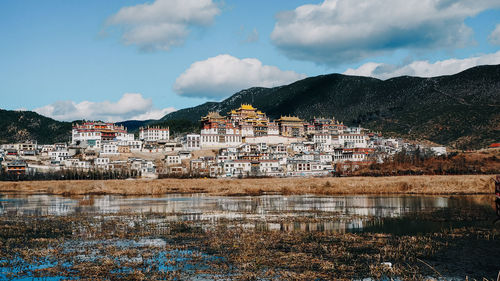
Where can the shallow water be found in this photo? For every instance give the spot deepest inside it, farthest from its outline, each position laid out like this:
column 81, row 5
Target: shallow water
column 99, row 228
column 334, row 213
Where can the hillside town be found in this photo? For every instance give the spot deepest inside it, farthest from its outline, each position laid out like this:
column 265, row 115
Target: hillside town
column 243, row 143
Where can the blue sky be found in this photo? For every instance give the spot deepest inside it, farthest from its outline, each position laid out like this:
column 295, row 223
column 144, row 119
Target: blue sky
column 118, row 60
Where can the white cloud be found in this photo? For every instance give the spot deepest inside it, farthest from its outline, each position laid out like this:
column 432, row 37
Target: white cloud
column 130, row 106
column 423, row 68
column 339, row 31
column 495, row 35
column 163, row 23
column 153, row 114
column 252, row 37
column 220, row 76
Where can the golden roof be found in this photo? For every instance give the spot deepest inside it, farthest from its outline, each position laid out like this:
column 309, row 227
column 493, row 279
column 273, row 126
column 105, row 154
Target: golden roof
column 247, row 107
column 212, row 115
column 290, row 118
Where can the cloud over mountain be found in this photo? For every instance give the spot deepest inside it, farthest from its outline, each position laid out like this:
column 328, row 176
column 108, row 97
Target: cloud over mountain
column 423, row 68
column 342, row 31
column 164, row 23
column 220, row 76
column 131, row 106
column 494, row 37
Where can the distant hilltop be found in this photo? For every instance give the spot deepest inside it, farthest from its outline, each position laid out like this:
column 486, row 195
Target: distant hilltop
column 460, row 111
column 19, row 126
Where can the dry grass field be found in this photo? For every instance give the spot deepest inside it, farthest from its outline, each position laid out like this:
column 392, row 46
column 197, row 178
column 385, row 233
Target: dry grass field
column 461, row 184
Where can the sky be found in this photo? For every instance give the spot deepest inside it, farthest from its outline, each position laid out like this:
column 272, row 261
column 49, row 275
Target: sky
column 121, row 60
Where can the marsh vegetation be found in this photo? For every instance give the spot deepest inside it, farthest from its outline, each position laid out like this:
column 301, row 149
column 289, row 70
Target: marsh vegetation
column 461, row 184
column 267, row 237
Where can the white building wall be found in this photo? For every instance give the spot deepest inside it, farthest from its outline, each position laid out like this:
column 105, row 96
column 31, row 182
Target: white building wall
column 109, row 148
column 235, row 168
column 247, row 131
column 322, row 138
column 154, row 134
column 82, row 136
column 352, row 141
column 267, row 167
column 272, row 139
column 192, row 142
column 172, row 160
column 273, row 131
column 212, row 141
column 58, row 155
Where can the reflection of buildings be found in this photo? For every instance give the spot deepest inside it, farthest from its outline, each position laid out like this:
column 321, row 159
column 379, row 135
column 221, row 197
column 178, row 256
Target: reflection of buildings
column 2, row 207
column 345, row 205
column 41, row 205
column 339, row 214
column 106, row 204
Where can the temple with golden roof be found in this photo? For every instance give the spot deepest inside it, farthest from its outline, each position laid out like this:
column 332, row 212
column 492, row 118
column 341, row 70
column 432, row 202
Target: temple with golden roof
column 248, row 122
column 252, row 122
column 291, row 126
column 212, row 117
column 326, row 125
column 247, row 114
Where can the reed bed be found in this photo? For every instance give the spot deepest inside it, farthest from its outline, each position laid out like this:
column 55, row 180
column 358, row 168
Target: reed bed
column 438, row 185
column 138, row 247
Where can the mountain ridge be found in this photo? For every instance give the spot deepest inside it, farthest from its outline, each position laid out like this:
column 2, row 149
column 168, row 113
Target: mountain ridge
column 18, row 126
column 459, row 110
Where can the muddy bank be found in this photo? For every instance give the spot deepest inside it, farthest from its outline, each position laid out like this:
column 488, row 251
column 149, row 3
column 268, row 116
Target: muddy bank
column 438, row 185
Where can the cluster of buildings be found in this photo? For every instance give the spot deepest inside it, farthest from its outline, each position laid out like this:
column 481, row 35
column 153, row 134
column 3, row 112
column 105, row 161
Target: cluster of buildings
column 249, row 125
column 243, row 143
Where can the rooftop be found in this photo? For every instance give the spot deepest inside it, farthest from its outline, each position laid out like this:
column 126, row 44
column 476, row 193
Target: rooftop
column 247, row 107
column 290, row 118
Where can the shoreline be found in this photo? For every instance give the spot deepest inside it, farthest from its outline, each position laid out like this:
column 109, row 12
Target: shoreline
column 411, row 185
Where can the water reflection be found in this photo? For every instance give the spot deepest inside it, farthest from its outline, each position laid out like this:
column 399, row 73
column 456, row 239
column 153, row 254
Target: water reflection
column 334, row 213
column 378, row 206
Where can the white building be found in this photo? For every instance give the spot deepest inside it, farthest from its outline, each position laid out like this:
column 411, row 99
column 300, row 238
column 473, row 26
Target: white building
column 109, row 149
column 172, row 160
column 152, row 134
column 299, row 166
column 273, row 129
column 236, row 168
column 101, row 162
column 146, row 167
column 247, row 130
column 134, row 145
column 269, row 167
column 298, row 146
column 352, row 140
column 58, row 155
column 209, row 139
column 322, row 138
column 183, row 155
column 46, row 148
column 94, row 133
column 351, row 154
column 191, row 142
column 76, row 163
column 324, row 158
